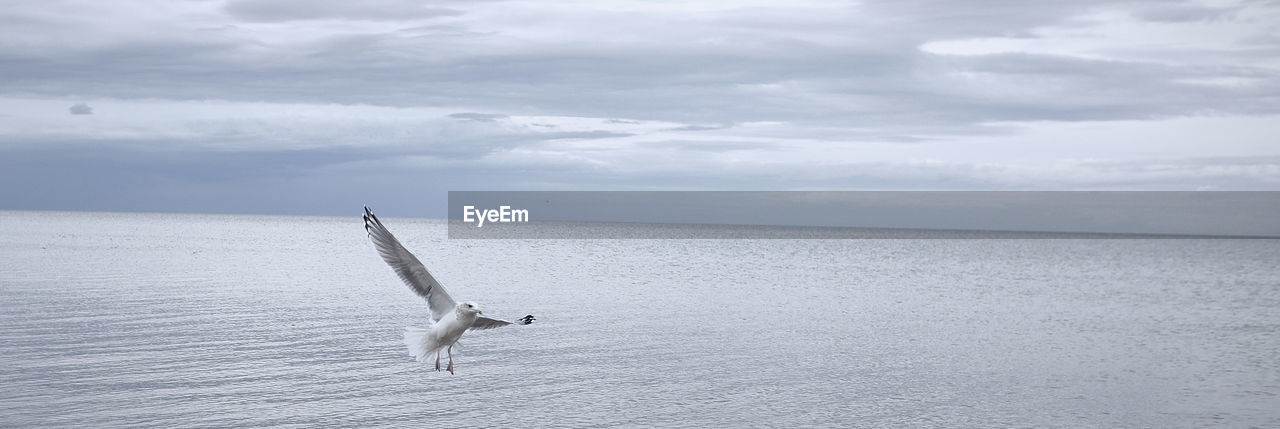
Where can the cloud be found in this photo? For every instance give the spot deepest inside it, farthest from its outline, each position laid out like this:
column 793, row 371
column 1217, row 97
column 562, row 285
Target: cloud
column 932, row 94
column 297, row 10
column 817, row 63
column 1182, row 13
column 477, row 117
column 81, row 109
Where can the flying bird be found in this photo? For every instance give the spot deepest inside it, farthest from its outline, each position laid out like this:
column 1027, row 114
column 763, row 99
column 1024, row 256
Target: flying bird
column 449, row 319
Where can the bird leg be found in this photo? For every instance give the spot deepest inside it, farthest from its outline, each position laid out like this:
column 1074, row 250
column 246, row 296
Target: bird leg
column 437, row 360
column 451, row 359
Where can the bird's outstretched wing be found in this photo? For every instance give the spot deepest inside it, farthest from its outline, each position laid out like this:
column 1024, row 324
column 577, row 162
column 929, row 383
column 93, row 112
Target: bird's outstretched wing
column 483, row 323
column 408, row 267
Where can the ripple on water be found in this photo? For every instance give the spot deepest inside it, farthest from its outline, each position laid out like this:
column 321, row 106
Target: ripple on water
column 202, row 320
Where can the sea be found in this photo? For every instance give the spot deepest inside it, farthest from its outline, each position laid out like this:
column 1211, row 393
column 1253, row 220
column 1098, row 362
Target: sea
column 191, row 320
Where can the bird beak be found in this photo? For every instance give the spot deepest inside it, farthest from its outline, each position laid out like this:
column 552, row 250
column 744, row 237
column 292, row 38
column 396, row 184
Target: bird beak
column 479, row 311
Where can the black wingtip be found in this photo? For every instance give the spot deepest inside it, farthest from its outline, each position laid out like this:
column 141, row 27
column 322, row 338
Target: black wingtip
column 369, row 219
column 368, row 215
column 527, row 319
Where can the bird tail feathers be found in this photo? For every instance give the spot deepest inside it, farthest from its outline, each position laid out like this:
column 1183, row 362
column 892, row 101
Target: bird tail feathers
column 420, row 343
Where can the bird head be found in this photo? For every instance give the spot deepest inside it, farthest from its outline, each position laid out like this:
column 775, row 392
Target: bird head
column 469, row 307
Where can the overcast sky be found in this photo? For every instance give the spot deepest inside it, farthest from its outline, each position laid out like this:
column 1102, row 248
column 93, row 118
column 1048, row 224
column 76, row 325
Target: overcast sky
column 319, row 106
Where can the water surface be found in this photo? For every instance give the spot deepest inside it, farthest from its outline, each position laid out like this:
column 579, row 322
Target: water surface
column 113, row 319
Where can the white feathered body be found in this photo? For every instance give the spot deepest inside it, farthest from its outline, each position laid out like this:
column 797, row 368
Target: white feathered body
column 424, row 342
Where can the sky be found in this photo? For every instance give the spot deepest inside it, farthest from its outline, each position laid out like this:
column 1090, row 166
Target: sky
column 321, row 106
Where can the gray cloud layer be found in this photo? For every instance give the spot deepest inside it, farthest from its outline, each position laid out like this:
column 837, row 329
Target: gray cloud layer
column 297, row 10
column 733, row 66
column 81, row 109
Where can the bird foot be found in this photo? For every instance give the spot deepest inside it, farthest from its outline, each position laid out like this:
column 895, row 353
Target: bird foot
column 450, row 367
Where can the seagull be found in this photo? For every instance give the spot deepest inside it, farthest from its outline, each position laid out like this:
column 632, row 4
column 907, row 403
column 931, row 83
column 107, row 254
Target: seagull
column 449, row 319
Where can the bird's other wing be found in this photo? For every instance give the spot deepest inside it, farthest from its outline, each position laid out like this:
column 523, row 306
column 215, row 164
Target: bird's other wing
column 408, row 267
column 483, row 323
